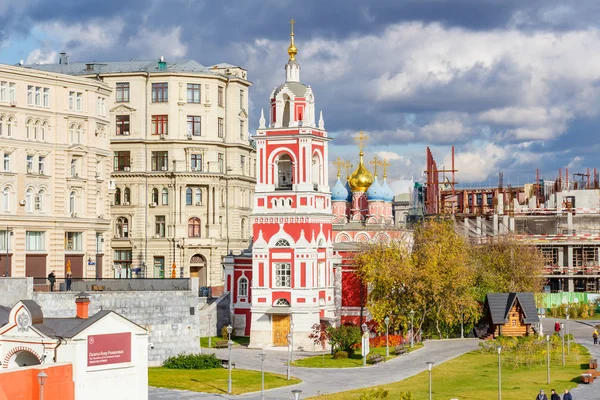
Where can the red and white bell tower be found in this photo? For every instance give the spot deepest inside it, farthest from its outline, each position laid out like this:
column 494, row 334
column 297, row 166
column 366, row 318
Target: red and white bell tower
column 292, row 273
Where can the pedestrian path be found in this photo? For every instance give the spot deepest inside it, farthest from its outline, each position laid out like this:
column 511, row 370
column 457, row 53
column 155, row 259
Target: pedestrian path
column 327, row 380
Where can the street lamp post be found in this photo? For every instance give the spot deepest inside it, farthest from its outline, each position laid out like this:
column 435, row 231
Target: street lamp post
column 364, row 350
column 292, row 332
column 548, row 357
column 289, row 363
column 229, row 343
column 462, row 323
column 209, row 335
column 568, row 336
column 387, row 341
column 412, row 340
column 42, row 381
column 430, row 367
column 262, row 355
column 562, row 334
column 499, row 374
column 296, row 393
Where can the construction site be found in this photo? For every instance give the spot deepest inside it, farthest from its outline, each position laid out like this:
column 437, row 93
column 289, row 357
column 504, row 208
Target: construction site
column 561, row 216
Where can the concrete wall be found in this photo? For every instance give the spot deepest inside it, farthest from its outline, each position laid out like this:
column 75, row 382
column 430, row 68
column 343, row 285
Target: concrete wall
column 216, row 313
column 166, row 315
column 14, row 289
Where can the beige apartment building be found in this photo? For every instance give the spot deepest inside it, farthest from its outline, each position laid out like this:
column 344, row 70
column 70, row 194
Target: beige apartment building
column 183, row 169
column 54, row 174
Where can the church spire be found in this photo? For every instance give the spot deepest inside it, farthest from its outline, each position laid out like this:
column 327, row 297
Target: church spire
column 292, row 68
column 292, row 50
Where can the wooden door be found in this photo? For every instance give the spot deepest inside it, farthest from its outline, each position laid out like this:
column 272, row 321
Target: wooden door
column 281, row 327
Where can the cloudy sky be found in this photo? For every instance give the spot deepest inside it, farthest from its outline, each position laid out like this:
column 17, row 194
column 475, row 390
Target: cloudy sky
column 513, row 84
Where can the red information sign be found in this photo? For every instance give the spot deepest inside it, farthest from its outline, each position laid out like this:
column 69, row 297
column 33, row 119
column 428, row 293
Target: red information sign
column 113, row 348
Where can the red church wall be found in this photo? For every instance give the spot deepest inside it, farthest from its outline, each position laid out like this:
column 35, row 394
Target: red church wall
column 281, row 295
column 248, row 314
column 351, row 289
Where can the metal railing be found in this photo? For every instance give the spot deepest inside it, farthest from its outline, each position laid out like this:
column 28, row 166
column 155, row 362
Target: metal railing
column 111, row 284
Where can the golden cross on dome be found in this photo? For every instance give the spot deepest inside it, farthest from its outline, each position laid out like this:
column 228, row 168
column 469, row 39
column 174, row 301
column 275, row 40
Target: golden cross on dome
column 339, row 163
column 361, row 138
column 385, row 163
column 292, row 50
column 375, row 162
column 348, row 165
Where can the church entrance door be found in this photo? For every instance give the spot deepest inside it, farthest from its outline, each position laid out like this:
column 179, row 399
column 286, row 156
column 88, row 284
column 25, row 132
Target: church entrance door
column 281, row 327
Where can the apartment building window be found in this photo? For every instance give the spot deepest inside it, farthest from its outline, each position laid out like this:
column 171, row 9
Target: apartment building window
column 43, row 129
column 470, row 199
column 160, row 226
column 29, row 164
column 12, row 93
column 194, row 125
column 73, row 167
column 71, row 100
column 160, row 124
column 243, row 164
column 242, row 130
column 34, row 241
column 194, row 226
column 76, row 133
column 154, row 196
column 123, row 125
column 122, row 228
column 159, row 267
column 242, row 99
column 220, row 96
column 160, row 92
column 46, row 97
column 6, row 162
column 3, row 91
column 79, row 101
column 165, row 197
column 220, row 127
column 39, row 201
column 198, row 196
column 490, row 199
column 101, row 105
column 30, row 95
column 122, row 160
column 4, row 241
column 122, row 261
column 126, row 196
column 38, row 96
column 122, row 92
column 193, row 93
column 6, row 199
column 196, row 162
column 283, row 274
column 550, row 255
column 118, row 197
column 243, row 287
column 73, row 241
column 479, row 198
column 220, row 162
column 160, row 161
column 41, row 164
column 189, row 193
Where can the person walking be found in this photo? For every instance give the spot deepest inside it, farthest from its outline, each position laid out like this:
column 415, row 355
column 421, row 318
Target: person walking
column 51, row 279
column 595, row 336
column 69, row 279
column 554, row 395
column 541, row 396
column 557, row 327
column 567, row 395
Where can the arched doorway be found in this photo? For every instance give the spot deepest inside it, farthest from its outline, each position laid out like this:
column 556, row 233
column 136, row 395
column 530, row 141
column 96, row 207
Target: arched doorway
column 198, row 269
column 23, row 358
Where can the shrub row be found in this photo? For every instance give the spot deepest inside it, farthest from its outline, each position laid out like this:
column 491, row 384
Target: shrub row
column 192, row 361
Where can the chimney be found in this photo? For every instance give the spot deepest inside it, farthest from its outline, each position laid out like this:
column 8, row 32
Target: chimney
column 83, row 304
column 64, row 59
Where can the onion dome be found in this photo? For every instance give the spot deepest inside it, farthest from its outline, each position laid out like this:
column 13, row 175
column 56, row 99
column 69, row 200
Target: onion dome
column 361, row 178
column 375, row 191
column 339, row 192
column 388, row 193
column 349, row 189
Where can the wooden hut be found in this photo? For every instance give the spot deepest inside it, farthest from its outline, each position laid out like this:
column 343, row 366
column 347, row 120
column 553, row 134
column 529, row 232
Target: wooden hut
column 511, row 314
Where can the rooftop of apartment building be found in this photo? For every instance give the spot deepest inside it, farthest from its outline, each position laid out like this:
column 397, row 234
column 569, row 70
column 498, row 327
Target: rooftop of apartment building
column 161, row 65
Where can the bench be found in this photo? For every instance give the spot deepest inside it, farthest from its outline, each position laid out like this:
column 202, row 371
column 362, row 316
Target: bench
column 399, row 350
column 225, row 363
column 587, row 378
column 374, row 358
column 221, row 344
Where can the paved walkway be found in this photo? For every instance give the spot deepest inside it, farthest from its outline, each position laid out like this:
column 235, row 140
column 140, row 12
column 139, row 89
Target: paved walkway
column 320, row 381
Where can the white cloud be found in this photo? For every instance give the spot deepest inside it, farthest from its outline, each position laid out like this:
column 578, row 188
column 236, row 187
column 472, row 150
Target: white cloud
column 40, row 56
column 155, row 43
column 477, row 163
column 92, row 36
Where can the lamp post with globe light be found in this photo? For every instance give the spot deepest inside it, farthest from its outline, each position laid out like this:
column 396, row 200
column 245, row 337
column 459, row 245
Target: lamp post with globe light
column 42, row 381
column 262, row 355
column 548, row 357
column 229, row 345
column 562, row 334
column 289, row 362
column 430, row 367
column 568, row 336
column 499, row 373
column 364, row 343
column 387, row 341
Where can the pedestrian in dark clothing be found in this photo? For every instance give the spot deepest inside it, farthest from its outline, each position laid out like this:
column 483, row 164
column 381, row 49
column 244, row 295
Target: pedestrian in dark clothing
column 553, row 395
column 69, row 279
column 541, row 396
column 567, row 395
column 51, row 279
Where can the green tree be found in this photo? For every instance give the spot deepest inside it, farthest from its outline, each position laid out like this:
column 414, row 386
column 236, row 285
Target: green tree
column 344, row 338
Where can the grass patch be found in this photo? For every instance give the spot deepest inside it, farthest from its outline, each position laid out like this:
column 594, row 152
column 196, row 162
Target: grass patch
column 237, row 340
column 214, row 380
column 327, row 360
column 474, row 376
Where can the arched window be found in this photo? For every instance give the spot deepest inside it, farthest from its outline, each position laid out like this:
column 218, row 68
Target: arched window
column 188, row 196
column 118, row 197
column 73, row 167
column 29, row 200
column 316, row 169
column 39, row 200
column 6, row 199
column 165, row 197
column 72, row 203
column 194, row 227
column 243, row 287
column 79, row 134
column 321, row 243
column 122, row 227
column 28, row 129
column 127, row 195
column 284, row 172
column 44, row 131
column 155, row 196
column 282, row 243
column 72, row 134
column 282, row 303
column 36, row 129
column 198, row 196
column 9, row 126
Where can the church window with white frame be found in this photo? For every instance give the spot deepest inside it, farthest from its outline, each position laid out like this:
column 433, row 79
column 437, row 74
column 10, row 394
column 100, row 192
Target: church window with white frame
column 243, row 287
column 282, row 243
column 283, row 274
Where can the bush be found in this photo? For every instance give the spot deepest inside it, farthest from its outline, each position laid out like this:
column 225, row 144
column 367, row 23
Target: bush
column 379, row 341
column 344, row 338
column 224, row 333
column 340, row 354
column 192, row 361
column 375, row 394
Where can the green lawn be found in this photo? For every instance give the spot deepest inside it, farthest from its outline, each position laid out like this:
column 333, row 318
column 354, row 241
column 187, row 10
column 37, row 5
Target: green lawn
column 214, row 380
column 237, row 340
column 474, row 376
column 327, row 360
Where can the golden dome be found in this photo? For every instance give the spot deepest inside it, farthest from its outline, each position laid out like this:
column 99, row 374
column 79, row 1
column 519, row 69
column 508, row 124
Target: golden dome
column 361, row 178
